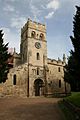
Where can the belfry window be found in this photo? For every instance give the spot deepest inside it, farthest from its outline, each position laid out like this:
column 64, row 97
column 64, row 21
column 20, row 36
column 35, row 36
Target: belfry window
column 41, row 36
column 14, row 79
column 33, row 34
column 38, row 56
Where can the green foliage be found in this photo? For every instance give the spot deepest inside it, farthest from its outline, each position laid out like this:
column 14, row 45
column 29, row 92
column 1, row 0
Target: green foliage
column 72, row 73
column 74, row 98
column 67, row 112
column 3, row 59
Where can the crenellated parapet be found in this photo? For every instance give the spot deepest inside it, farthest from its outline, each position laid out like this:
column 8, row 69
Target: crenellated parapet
column 33, row 25
column 55, row 62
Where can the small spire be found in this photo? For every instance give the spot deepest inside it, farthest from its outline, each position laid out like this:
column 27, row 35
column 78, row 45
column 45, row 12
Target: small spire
column 64, row 58
column 28, row 19
column 59, row 59
column 14, row 50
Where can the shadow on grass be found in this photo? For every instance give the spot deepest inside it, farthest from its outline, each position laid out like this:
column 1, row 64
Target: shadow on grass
column 69, row 115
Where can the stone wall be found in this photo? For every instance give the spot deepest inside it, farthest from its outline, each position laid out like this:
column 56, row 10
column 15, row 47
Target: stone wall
column 24, row 73
column 55, row 76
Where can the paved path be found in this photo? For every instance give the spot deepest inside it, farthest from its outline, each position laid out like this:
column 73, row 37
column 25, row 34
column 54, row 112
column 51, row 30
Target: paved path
column 30, row 109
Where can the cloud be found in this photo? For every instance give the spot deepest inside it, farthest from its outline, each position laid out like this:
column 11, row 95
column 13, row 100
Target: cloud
column 43, row 7
column 53, row 5
column 9, row 8
column 18, row 22
column 34, row 10
column 50, row 15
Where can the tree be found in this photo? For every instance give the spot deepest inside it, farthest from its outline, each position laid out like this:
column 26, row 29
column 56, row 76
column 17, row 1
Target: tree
column 4, row 55
column 72, row 73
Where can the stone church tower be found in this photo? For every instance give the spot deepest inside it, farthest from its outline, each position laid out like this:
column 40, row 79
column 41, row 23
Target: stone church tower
column 33, row 74
column 33, row 43
column 34, row 52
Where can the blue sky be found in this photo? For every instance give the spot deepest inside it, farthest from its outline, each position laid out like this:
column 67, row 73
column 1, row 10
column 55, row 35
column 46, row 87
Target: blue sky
column 56, row 14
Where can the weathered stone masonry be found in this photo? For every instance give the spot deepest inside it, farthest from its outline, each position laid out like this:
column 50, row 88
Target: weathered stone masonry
column 33, row 73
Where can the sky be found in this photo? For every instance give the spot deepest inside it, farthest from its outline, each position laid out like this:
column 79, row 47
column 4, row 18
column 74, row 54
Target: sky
column 56, row 14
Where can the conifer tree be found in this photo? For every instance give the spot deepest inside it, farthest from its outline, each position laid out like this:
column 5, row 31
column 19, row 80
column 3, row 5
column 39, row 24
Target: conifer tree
column 72, row 73
column 4, row 55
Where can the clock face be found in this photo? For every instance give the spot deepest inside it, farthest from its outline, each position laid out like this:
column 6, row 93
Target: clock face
column 37, row 45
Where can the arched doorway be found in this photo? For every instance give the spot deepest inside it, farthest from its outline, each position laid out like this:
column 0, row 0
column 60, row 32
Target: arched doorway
column 39, row 87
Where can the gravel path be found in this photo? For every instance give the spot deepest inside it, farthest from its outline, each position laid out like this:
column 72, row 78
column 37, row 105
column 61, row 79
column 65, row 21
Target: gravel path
column 30, row 109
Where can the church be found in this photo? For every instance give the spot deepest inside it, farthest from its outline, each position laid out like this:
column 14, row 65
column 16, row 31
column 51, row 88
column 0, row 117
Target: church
column 33, row 73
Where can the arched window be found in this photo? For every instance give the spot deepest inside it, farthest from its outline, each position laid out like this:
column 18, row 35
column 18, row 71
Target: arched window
column 37, row 71
column 14, row 79
column 59, row 83
column 38, row 56
column 33, row 34
column 41, row 36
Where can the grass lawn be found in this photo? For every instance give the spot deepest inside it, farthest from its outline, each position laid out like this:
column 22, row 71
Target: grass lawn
column 67, row 112
column 74, row 98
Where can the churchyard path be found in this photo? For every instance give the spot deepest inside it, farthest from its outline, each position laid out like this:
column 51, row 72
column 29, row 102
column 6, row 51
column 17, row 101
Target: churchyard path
column 14, row 108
